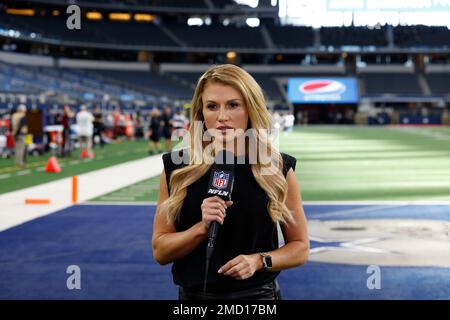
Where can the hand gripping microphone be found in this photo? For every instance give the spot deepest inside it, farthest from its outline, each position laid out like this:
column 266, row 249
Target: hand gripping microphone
column 220, row 184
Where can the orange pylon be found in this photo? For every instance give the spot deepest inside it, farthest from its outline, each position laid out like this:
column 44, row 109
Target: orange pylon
column 74, row 189
column 52, row 165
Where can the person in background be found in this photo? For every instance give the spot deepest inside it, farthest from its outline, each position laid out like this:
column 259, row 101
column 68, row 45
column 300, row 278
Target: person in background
column 98, row 127
column 139, row 124
column 167, row 126
column 129, row 127
column 66, row 120
column 9, row 150
column 19, row 131
column 277, row 121
column 180, row 122
column 116, row 123
column 108, row 126
column 85, row 130
column 288, row 121
column 154, row 131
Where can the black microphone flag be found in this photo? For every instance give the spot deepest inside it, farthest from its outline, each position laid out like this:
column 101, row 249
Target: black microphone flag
column 220, row 184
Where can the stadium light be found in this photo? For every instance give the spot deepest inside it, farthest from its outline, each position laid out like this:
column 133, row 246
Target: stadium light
column 94, row 15
column 118, row 16
column 252, row 22
column 195, row 22
column 22, row 12
column 250, row 3
column 231, row 55
column 328, row 13
column 143, row 17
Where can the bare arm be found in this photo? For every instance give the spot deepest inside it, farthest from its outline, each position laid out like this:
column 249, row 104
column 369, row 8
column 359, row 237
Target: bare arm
column 296, row 250
column 168, row 244
column 294, row 253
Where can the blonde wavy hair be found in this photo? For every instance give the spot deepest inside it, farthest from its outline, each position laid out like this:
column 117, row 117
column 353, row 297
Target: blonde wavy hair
column 274, row 185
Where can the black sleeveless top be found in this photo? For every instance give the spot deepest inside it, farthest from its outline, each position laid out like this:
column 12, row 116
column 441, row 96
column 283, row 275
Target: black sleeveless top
column 247, row 229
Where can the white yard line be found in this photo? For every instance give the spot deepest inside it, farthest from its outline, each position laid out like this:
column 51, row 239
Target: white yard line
column 24, row 172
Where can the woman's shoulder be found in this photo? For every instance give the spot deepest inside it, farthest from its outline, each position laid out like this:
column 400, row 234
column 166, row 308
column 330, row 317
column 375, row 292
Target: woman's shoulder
column 288, row 162
column 175, row 159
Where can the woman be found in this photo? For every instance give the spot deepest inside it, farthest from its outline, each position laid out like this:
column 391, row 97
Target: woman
column 247, row 257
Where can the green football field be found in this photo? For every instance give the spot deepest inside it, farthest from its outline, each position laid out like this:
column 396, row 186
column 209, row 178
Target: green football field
column 354, row 163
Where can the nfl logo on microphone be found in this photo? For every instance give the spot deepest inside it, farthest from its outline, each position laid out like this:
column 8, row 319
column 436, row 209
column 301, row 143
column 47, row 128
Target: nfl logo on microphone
column 220, row 179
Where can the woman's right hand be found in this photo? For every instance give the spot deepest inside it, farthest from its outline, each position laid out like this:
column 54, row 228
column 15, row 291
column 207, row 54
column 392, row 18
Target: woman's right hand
column 214, row 209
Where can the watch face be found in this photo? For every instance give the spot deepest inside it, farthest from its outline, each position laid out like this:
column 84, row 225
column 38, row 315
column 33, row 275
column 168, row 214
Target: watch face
column 267, row 262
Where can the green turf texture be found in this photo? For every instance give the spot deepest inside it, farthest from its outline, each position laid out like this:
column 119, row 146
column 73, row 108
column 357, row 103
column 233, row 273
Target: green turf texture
column 139, row 192
column 374, row 163
column 355, row 163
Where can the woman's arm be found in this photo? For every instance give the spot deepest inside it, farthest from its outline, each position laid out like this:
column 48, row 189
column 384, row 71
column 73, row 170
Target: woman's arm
column 295, row 252
column 168, row 244
column 296, row 249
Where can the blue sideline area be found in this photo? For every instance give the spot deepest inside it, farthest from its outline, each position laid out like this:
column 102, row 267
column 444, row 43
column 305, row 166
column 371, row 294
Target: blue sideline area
column 112, row 246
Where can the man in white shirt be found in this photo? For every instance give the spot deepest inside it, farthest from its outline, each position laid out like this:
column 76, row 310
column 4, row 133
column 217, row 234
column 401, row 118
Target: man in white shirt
column 288, row 120
column 180, row 122
column 85, row 131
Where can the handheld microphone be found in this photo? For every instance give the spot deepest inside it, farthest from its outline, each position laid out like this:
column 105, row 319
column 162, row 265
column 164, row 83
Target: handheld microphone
column 220, row 184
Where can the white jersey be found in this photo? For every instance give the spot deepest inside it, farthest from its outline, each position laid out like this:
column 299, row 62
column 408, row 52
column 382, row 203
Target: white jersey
column 84, row 123
column 289, row 120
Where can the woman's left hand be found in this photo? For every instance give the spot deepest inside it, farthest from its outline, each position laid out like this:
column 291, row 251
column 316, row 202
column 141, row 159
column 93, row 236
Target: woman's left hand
column 242, row 267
